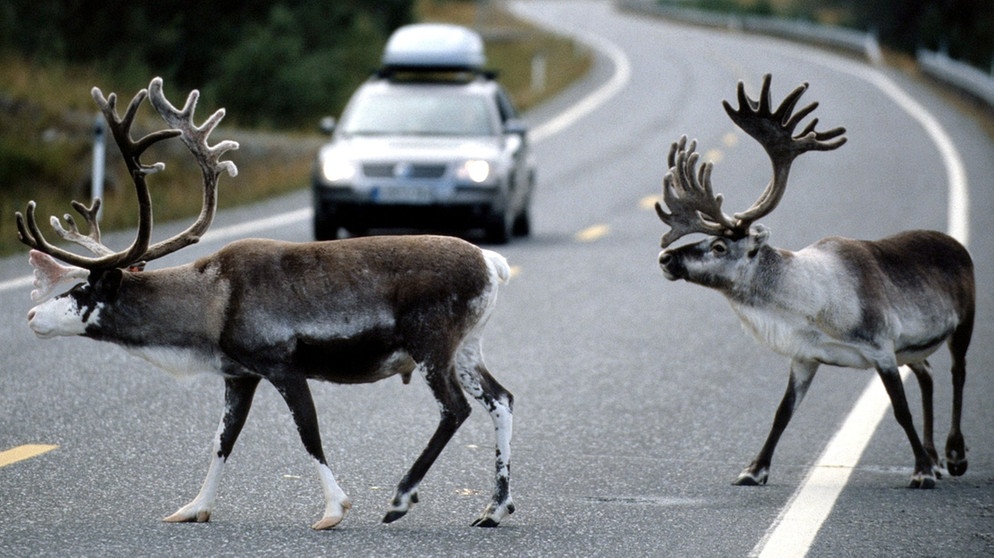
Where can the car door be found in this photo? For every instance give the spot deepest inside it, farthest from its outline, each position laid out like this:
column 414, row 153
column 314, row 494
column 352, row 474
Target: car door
column 516, row 142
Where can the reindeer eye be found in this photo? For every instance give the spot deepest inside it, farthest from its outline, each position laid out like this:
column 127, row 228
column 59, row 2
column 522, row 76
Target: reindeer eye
column 719, row 247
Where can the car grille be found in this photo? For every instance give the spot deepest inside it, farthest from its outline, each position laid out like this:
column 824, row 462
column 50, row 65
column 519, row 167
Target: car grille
column 403, row 170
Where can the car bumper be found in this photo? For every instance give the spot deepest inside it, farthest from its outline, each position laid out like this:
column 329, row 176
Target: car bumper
column 424, row 207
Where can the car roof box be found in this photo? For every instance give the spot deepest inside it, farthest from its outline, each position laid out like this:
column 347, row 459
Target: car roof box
column 434, row 47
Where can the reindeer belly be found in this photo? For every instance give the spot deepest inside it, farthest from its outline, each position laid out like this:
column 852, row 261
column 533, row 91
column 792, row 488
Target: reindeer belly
column 917, row 350
column 798, row 338
column 178, row 361
column 362, row 358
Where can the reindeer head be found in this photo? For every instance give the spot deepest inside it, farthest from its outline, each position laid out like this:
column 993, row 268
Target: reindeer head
column 729, row 253
column 69, row 313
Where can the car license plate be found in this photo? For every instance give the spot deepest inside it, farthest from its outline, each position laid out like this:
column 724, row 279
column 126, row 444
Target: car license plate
column 402, row 194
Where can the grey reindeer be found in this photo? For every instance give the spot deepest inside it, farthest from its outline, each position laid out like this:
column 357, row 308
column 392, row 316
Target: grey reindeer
column 349, row 311
column 841, row 302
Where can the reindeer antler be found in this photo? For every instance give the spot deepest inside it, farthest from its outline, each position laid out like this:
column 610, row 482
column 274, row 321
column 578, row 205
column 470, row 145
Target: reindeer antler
column 773, row 130
column 209, row 159
column 694, row 206
column 132, row 151
column 196, row 140
column 89, row 241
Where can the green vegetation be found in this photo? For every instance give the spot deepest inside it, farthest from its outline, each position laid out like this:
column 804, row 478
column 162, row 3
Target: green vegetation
column 276, row 74
column 963, row 28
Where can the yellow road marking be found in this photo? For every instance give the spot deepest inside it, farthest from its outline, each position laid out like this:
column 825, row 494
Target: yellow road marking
column 592, row 233
column 714, row 156
column 20, row 453
column 649, row 202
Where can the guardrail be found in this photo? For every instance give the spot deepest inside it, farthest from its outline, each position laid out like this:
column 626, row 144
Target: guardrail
column 937, row 65
column 850, row 40
column 962, row 76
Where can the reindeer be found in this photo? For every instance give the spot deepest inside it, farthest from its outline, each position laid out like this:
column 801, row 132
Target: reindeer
column 840, row 302
column 350, row 311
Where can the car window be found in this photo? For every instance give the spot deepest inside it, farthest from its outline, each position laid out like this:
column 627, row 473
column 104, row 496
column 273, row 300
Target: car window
column 422, row 114
column 504, row 105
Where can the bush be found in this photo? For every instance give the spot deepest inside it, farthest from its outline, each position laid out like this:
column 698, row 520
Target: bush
column 273, row 77
column 285, row 69
column 274, row 64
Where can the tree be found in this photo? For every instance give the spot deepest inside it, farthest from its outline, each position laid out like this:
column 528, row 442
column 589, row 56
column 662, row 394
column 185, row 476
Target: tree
column 275, row 63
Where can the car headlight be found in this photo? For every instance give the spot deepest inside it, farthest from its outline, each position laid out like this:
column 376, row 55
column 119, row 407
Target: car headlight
column 475, row 170
column 337, row 169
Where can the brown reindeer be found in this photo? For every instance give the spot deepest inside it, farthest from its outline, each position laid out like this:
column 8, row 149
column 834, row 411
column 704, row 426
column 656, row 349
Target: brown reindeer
column 840, row 302
column 349, row 311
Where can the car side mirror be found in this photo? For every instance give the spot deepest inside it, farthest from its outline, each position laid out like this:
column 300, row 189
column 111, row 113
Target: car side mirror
column 516, row 126
column 327, row 125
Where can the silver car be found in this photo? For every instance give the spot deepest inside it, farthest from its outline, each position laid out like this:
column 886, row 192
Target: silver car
column 429, row 142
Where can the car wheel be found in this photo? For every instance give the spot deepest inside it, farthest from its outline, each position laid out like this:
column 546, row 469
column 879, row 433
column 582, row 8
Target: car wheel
column 522, row 224
column 499, row 229
column 324, row 228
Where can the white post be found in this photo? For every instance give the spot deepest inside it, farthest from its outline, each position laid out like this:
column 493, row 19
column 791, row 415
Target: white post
column 97, row 176
column 538, row 72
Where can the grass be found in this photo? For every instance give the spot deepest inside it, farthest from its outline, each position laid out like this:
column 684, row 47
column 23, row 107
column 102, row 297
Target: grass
column 47, row 116
column 511, row 45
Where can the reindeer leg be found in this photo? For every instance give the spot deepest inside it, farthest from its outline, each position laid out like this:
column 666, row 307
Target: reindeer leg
column 923, row 476
column 238, row 393
column 477, row 381
column 955, row 445
column 923, row 372
column 454, row 410
column 293, row 388
column 801, row 374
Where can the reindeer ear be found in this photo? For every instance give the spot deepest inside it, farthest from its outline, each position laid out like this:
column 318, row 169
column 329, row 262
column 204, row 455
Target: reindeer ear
column 758, row 235
column 106, row 282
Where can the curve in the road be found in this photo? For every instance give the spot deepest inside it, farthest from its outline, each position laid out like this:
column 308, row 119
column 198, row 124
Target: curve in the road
column 796, row 526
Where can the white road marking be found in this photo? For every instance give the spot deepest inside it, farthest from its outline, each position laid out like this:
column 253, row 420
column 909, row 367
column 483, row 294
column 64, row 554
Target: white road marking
column 244, row 229
column 794, row 530
column 17, row 283
column 619, row 79
column 797, row 525
column 958, row 211
column 214, row 235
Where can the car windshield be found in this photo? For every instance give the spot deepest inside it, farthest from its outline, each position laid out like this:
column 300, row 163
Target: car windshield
column 422, row 114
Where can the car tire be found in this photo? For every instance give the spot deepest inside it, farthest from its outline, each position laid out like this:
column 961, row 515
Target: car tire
column 500, row 229
column 325, row 228
column 522, row 224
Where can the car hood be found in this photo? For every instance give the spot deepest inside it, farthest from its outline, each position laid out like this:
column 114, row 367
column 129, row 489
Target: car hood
column 403, row 148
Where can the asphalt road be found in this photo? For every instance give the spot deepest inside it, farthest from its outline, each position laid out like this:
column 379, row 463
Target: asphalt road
column 638, row 400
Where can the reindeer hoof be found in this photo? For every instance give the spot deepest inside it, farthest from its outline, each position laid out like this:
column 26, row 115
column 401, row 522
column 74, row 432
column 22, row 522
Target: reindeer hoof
column 333, row 515
column 921, row 480
column 956, row 454
column 327, row 523
column 492, row 516
column 750, row 478
column 181, row 516
column 956, row 457
column 485, row 522
column 400, row 505
column 956, row 468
